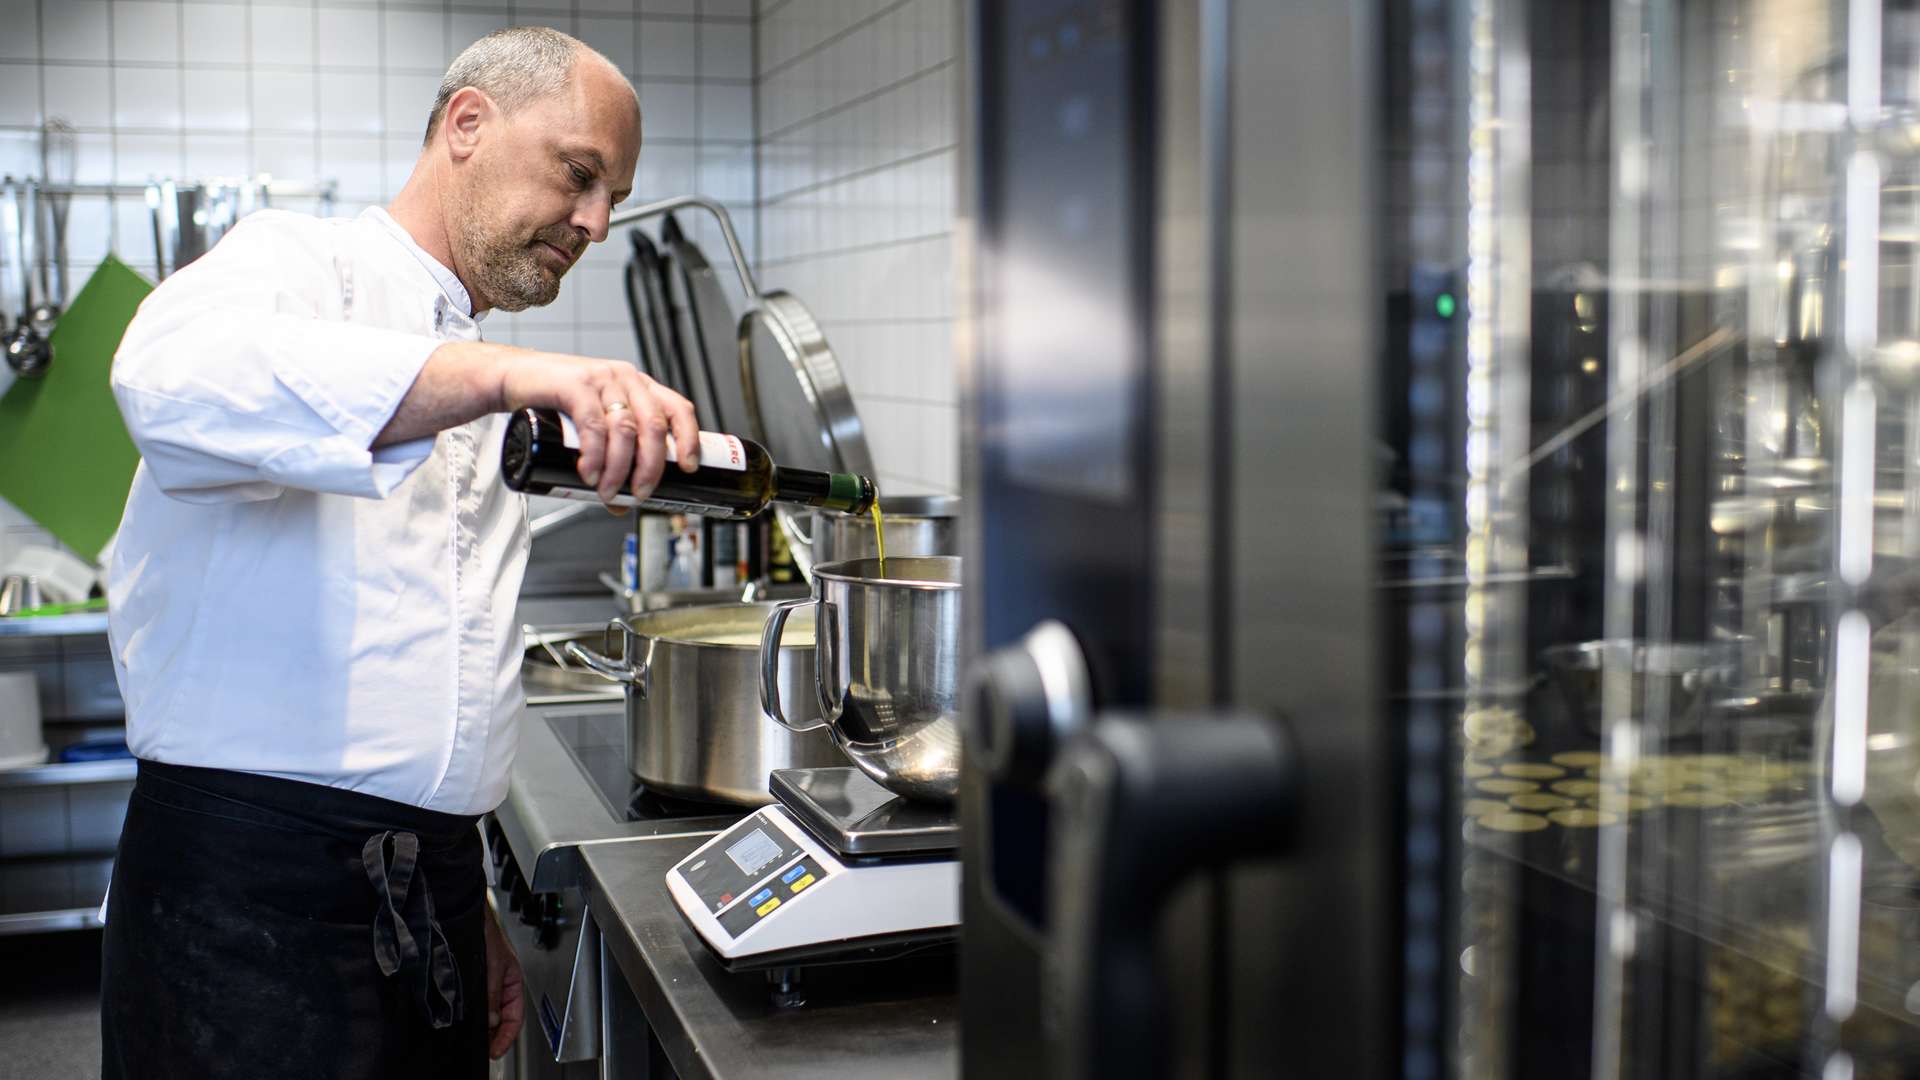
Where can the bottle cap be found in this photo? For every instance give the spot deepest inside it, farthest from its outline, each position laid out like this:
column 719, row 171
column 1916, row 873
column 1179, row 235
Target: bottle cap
column 850, row 493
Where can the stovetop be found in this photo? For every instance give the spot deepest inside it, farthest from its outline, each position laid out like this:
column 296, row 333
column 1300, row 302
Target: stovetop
column 597, row 742
column 570, row 787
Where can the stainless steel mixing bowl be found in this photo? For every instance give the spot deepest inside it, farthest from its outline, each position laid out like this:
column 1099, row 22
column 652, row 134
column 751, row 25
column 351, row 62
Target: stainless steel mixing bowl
column 887, row 669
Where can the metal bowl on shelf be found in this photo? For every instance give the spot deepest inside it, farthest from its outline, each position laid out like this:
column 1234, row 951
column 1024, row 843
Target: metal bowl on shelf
column 639, row 601
column 1685, row 673
column 915, row 525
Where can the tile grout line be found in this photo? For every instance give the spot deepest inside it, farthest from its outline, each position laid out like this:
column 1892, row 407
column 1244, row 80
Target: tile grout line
column 343, row 133
column 113, row 119
column 862, row 173
column 862, row 99
column 386, row 145
column 180, row 56
column 253, row 104
column 859, row 249
column 840, row 35
column 319, row 164
column 573, row 323
column 326, row 69
column 753, row 129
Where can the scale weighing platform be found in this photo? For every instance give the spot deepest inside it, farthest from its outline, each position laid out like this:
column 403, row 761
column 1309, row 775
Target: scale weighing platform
column 839, row 869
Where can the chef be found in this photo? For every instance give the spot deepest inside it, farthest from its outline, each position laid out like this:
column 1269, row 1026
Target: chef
column 313, row 590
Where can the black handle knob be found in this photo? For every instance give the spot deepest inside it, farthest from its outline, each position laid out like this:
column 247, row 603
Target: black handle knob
column 1137, row 807
column 1029, row 698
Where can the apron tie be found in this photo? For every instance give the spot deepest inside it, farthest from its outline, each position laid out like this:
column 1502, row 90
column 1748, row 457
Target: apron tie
column 399, row 928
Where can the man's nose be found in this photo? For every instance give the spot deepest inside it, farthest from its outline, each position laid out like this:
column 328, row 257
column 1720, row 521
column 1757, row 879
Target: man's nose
column 590, row 217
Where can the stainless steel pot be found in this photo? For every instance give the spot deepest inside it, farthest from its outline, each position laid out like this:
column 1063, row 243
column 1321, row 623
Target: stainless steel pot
column 886, row 669
column 916, row 525
column 694, row 725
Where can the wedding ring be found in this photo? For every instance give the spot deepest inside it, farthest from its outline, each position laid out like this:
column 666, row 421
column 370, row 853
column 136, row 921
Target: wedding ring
column 615, row 406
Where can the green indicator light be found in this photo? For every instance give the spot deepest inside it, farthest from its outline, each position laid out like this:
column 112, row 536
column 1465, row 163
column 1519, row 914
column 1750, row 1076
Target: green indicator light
column 1444, row 305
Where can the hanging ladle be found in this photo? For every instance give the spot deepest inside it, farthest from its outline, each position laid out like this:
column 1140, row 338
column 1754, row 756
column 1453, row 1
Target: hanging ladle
column 50, row 231
column 28, row 353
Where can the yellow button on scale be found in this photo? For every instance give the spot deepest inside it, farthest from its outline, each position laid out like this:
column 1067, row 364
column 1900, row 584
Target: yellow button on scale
column 802, row 883
column 768, row 906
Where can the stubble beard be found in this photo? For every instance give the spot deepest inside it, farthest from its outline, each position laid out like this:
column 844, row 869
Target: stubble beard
column 503, row 269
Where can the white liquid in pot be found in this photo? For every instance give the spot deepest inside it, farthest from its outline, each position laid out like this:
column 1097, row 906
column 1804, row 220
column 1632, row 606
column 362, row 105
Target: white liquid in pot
column 795, row 637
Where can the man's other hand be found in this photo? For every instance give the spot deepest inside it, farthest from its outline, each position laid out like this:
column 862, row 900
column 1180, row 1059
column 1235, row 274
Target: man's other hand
column 506, row 1008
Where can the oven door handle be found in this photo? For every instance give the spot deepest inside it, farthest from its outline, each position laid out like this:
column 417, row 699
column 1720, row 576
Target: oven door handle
column 1138, row 805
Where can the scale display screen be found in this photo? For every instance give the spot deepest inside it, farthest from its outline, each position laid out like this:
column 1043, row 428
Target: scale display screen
column 753, row 849
column 753, row 852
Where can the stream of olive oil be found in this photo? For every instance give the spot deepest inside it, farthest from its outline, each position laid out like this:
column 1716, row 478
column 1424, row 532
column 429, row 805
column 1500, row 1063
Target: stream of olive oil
column 880, row 535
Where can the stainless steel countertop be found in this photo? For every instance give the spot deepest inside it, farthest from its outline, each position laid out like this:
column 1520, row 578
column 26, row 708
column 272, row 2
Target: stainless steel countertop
column 886, row 1020
column 551, row 812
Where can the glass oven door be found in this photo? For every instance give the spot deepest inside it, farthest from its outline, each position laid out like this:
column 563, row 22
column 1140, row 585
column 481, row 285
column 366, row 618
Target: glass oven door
column 1646, row 557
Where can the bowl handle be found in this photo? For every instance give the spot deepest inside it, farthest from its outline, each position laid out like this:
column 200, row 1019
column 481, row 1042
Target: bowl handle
column 770, row 664
column 826, row 631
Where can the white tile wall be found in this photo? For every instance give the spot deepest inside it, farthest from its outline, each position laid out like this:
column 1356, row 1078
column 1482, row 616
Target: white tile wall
column 855, row 142
column 340, row 89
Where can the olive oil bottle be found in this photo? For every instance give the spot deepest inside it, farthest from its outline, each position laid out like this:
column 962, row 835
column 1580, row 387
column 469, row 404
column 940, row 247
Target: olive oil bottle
column 736, row 478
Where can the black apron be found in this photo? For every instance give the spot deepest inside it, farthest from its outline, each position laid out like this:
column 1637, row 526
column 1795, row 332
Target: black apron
column 261, row 927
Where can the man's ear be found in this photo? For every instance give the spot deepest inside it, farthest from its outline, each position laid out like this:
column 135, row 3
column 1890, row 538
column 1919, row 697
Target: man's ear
column 469, row 112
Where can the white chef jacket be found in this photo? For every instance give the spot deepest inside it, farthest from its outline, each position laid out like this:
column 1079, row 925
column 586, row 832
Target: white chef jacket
column 282, row 599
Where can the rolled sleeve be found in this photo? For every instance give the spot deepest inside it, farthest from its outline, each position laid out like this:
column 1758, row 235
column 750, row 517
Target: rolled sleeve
column 343, row 467
column 353, row 377
column 239, row 379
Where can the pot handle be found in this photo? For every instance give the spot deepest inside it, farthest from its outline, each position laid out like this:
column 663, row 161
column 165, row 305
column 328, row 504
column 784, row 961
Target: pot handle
column 770, row 664
column 632, row 673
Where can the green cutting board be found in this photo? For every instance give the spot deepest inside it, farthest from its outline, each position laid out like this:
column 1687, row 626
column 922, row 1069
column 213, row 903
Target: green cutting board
column 65, row 458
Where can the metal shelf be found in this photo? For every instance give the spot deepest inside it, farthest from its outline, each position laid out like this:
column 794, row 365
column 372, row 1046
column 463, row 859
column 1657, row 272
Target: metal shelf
column 43, row 922
column 279, row 189
column 120, row 770
column 85, row 622
column 62, row 892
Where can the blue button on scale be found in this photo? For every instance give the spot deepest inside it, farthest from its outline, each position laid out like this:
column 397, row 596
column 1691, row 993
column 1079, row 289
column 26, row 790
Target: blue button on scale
column 798, row 869
column 760, row 898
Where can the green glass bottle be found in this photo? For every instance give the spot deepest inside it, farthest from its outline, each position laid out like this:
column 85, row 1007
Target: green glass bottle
column 736, row 479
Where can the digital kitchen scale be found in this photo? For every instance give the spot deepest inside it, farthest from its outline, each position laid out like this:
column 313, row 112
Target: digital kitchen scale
column 839, row 869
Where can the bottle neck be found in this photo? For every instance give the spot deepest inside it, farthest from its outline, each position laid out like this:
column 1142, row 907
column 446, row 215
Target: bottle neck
column 849, row 493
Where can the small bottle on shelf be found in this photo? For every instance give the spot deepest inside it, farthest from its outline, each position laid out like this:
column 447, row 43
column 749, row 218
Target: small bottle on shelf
column 736, row 478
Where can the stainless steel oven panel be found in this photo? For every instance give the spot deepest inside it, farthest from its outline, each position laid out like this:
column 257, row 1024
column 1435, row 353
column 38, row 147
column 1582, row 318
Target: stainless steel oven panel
column 576, row 1035
column 548, row 971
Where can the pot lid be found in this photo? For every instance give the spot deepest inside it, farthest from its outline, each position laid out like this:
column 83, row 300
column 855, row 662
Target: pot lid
column 796, row 393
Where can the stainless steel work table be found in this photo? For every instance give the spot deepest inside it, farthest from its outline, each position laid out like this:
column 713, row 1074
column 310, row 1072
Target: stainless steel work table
column 889, row 1019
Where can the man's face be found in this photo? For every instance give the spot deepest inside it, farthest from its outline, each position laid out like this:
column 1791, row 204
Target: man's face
column 540, row 189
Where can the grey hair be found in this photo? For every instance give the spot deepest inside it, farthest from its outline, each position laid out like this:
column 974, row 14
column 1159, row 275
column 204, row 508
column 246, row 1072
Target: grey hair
column 515, row 67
